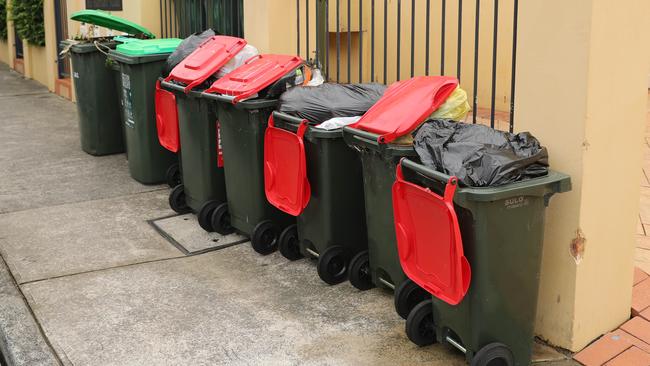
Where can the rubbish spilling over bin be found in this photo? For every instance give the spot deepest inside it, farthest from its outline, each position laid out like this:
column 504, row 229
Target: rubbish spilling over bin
column 478, row 252
column 97, row 84
column 203, row 190
column 404, row 105
column 312, row 174
column 245, row 99
column 141, row 63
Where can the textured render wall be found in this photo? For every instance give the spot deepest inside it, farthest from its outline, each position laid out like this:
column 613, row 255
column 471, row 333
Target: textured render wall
column 4, row 52
column 588, row 105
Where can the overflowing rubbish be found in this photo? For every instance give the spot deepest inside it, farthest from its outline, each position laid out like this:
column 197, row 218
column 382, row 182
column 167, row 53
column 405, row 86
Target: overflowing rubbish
column 478, row 155
column 185, row 48
column 321, row 103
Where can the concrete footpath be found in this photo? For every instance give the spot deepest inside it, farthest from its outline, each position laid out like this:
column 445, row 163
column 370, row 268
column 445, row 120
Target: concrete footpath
column 86, row 278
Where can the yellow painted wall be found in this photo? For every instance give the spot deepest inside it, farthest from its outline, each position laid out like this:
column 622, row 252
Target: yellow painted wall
column 4, row 52
column 571, row 83
column 36, row 63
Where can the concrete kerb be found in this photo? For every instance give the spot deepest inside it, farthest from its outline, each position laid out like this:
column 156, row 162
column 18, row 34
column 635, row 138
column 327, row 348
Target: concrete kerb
column 22, row 341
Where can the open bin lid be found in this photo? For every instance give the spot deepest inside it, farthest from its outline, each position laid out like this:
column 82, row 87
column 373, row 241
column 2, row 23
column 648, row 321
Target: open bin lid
column 104, row 19
column 167, row 119
column 404, row 105
column 285, row 168
column 429, row 242
column 207, row 59
column 254, row 75
column 145, row 47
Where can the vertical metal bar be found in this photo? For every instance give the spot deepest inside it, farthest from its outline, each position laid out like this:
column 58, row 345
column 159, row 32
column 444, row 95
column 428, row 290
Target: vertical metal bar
column 162, row 25
column 298, row 27
column 460, row 39
column 399, row 26
column 495, row 39
column 443, row 26
column 476, row 44
column 349, row 43
column 307, row 28
column 385, row 41
column 515, row 22
column 412, row 38
column 318, row 49
column 372, row 41
column 360, row 41
column 171, row 4
column 427, row 38
column 338, row 41
column 327, row 39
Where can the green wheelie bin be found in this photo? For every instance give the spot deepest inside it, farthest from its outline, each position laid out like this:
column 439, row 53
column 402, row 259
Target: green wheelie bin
column 141, row 63
column 203, row 188
column 318, row 179
column 404, row 105
column 96, row 83
column 478, row 251
column 245, row 99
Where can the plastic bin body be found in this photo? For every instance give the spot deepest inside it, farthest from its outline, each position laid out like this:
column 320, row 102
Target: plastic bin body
column 335, row 214
column 98, row 108
column 502, row 229
column 242, row 138
column 148, row 160
column 379, row 162
column 203, row 175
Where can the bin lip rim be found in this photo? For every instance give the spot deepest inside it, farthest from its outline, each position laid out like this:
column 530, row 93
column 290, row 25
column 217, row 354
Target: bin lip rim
column 136, row 59
column 312, row 130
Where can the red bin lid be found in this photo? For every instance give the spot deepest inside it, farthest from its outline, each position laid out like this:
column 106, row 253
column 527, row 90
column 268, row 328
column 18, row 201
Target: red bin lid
column 207, row 59
column 285, row 169
column 429, row 242
column 256, row 74
column 167, row 119
column 404, row 105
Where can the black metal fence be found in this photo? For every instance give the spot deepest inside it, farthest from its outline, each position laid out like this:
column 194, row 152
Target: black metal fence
column 402, row 34
column 180, row 18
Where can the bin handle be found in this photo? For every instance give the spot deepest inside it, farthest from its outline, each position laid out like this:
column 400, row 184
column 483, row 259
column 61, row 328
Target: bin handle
column 168, row 85
column 252, row 58
column 451, row 181
column 302, row 127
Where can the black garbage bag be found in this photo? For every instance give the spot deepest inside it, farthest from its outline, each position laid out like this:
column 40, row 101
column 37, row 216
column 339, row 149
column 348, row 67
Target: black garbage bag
column 185, row 48
column 317, row 104
column 480, row 156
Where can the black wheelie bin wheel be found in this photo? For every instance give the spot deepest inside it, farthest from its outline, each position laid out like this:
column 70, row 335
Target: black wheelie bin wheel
column 407, row 296
column 331, row 267
column 205, row 215
column 359, row 272
column 265, row 238
column 173, row 175
column 220, row 220
column 420, row 328
column 289, row 244
column 494, row 354
column 177, row 200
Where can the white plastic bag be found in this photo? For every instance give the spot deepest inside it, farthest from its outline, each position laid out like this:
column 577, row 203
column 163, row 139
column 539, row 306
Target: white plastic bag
column 247, row 52
column 337, row 122
column 316, row 78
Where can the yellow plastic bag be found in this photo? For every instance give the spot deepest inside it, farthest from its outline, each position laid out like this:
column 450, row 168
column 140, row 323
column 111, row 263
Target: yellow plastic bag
column 455, row 107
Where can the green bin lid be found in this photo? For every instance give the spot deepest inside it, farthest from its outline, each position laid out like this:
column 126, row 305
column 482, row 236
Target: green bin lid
column 104, row 19
column 144, row 47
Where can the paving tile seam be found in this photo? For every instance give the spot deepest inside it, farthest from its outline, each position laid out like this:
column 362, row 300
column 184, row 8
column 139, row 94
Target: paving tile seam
column 25, row 94
column 37, row 321
column 78, row 202
column 102, row 269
